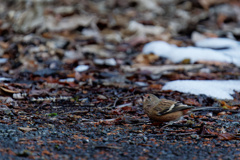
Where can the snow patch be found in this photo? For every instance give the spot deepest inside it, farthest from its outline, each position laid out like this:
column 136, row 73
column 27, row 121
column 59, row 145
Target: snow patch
column 228, row 50
column 81, row 68
column 217, row 43
column 220, row 89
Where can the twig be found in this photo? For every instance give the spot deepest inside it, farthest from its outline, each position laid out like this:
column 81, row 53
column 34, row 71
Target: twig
column 115, row 102
column 111, row 147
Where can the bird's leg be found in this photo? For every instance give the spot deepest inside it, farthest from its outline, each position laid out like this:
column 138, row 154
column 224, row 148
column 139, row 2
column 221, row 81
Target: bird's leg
column 171, row 123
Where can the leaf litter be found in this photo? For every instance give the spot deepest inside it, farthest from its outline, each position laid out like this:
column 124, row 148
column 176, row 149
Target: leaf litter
column 74, row 75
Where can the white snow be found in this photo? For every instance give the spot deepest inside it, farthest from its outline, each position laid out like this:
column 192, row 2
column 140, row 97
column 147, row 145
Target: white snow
column 67, row 80
column 217, row 43
column 5, row 79
column 203, row 51
column 220, row 89
column 81, row 68
column 108, row 62
column 3, row 60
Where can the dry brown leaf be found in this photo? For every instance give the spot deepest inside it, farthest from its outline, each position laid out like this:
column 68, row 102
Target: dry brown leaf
column 146, row 58
column 67, row 23
column 109, row 121
column 207, row 3
column 160, row 69
column 220, row 19
column 221, row 136
column 192, row 102
column 7, row 90
column 226, row 136
column 26, row 129
column 4, row 45
column 155, row 86
column 222, row 113
column 225, row 105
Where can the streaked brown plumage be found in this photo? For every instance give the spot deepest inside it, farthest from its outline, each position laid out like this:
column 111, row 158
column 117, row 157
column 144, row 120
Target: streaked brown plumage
column 163, row 110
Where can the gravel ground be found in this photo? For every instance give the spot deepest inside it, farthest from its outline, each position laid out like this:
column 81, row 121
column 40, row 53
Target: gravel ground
column 122, row 141
column 73, row 90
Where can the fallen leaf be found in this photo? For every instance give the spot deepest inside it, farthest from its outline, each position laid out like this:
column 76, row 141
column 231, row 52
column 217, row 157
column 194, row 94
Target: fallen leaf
column 146, row 58
column 57, row 141
column 163, row 68
column 226, row 136
column 6, row 89
column 67, row 23
column 207, row 3
column 192, row 102
column 222, row 113
column 46, row 152
column 225, row 105
column 26, row 129
column 108, row 121
column 155, row 86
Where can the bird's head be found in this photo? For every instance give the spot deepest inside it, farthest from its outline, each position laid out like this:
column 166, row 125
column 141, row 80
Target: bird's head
column 150, row 100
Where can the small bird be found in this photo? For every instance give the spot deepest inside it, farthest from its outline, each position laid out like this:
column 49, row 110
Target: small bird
column 163, row 110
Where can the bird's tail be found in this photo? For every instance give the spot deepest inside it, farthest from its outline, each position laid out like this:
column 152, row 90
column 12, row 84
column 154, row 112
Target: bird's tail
column 207, row 109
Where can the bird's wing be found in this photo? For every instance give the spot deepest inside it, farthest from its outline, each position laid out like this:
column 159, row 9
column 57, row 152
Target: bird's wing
column 174, row 108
